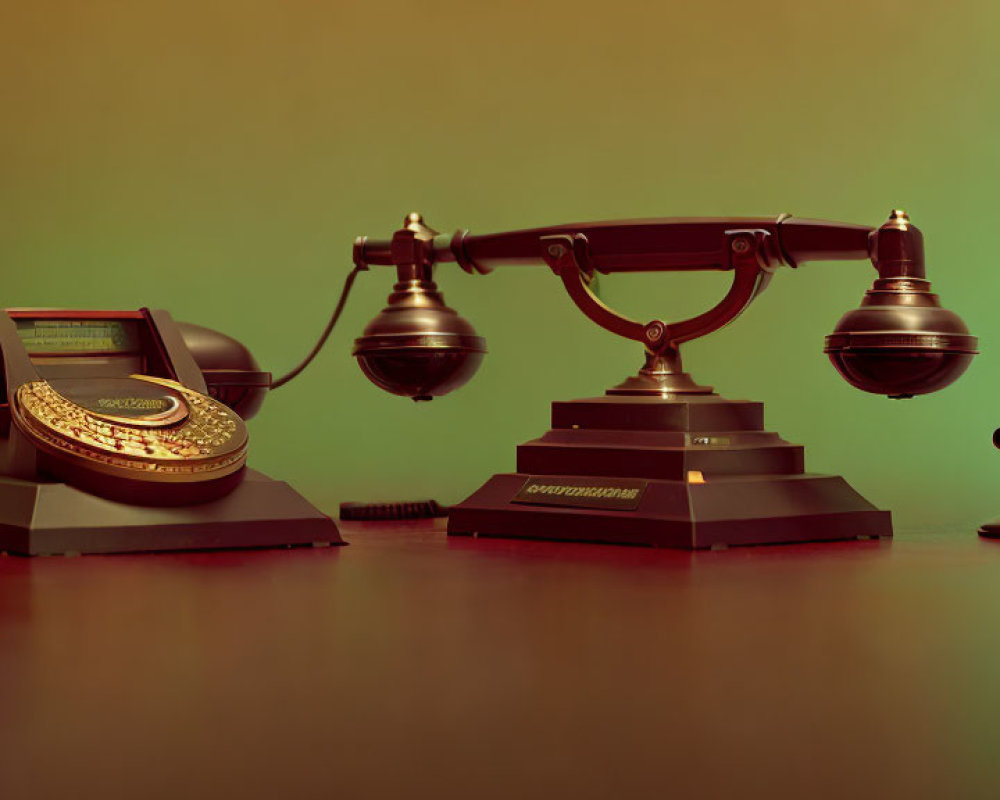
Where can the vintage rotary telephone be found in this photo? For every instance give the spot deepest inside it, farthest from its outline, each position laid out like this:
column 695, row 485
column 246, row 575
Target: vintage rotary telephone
column 124, row 430
column 660, row 459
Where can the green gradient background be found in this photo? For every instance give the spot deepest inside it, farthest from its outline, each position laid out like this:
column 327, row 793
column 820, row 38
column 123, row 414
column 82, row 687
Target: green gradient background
column 217, row 159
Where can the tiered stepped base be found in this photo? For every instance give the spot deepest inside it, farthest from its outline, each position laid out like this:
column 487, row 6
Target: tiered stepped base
column 690, row 473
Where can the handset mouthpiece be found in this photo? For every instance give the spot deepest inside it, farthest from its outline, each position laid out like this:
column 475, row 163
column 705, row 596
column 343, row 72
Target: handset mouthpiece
column 417, row 346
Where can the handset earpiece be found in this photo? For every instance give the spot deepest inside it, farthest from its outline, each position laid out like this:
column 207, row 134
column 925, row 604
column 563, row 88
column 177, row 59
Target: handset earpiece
column 417, row 346
column 900, row 342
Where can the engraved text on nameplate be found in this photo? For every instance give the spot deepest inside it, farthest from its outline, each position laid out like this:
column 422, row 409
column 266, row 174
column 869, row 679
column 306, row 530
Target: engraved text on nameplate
column 616, row 494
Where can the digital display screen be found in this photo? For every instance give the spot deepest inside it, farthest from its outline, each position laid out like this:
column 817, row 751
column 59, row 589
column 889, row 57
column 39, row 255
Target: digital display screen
column 65, row 336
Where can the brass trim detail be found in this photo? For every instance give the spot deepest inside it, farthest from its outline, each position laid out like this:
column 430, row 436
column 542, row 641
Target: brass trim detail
column 208, row 443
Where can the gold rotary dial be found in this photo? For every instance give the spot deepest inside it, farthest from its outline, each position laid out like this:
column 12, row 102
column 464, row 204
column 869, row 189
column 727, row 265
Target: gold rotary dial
column 199, row 439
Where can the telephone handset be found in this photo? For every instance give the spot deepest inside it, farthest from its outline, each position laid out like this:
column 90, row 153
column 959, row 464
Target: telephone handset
column 136, row 422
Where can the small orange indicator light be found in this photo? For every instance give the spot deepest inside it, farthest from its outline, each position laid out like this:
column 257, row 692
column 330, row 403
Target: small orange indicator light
column 695, row 476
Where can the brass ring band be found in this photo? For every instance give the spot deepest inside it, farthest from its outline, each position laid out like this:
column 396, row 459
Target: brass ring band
column 207, row 442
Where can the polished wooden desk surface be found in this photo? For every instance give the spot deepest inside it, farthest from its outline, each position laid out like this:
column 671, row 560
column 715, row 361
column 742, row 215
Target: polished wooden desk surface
column 408, row 665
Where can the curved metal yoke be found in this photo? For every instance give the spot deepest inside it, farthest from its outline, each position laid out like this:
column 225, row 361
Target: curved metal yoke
column 569, row 258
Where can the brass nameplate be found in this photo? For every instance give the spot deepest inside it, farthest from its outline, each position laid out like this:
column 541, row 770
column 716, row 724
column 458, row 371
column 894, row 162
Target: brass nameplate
column 616, row 494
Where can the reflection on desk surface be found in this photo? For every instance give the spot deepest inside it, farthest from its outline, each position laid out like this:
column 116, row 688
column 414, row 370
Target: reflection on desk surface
column 413, row 665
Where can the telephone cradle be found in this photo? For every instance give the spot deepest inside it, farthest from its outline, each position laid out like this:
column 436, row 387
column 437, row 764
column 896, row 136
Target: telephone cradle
column 124, row 431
